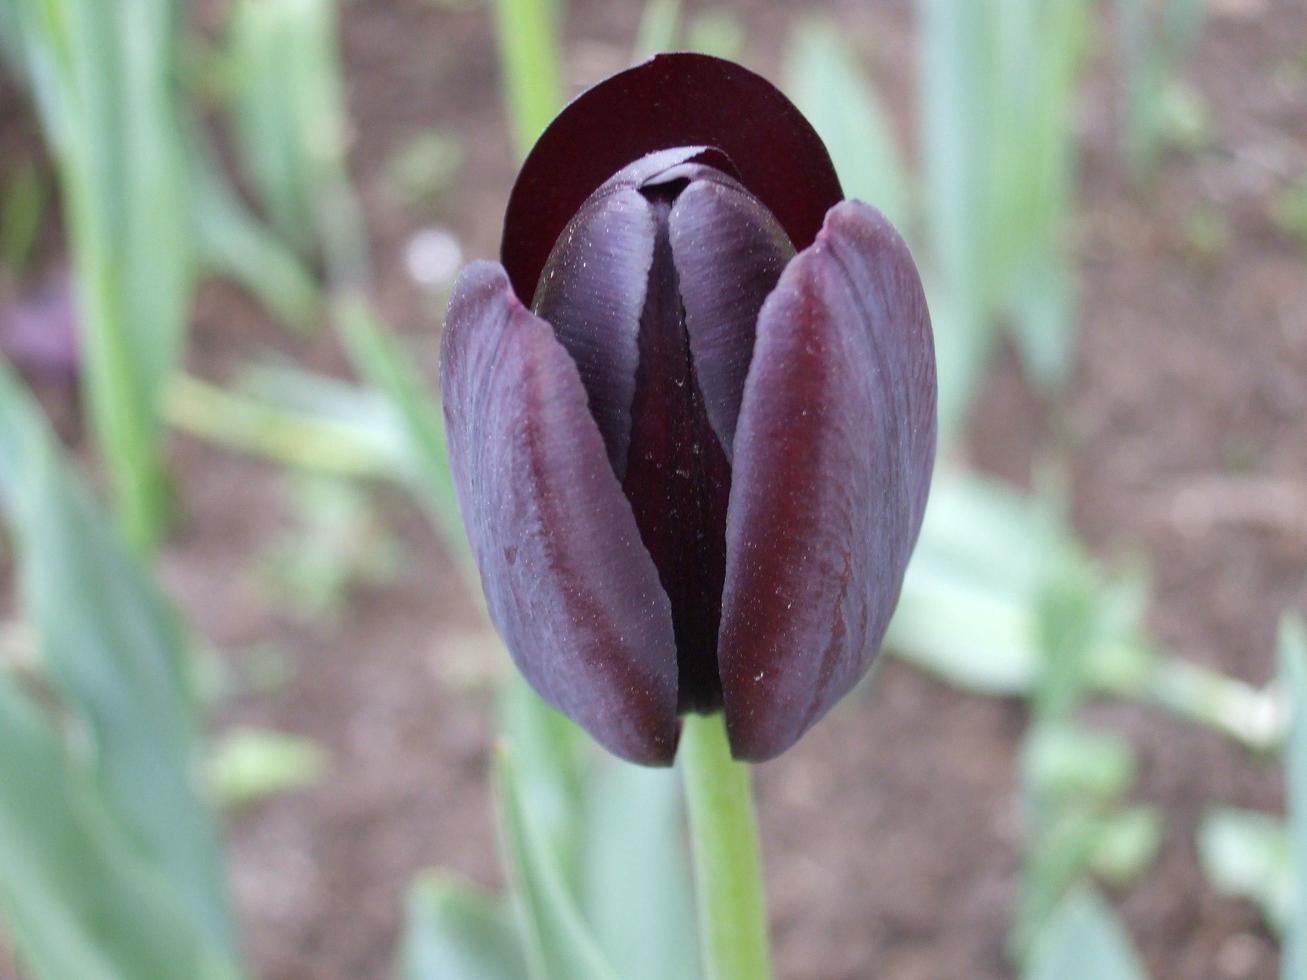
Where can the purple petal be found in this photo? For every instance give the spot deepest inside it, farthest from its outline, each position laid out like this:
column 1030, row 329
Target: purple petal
column 670, row 100
column 38, row 332
column 569, row 584
column 833, row 457
column 592, row 293
column 729, row 253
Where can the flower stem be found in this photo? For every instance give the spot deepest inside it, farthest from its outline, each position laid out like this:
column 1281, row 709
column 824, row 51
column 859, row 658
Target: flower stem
column 727, row 865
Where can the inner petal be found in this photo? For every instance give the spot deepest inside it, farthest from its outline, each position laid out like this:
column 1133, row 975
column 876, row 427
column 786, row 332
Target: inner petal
column 677, row 477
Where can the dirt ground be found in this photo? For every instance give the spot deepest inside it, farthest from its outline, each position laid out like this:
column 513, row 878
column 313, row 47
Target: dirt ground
column 891, row 831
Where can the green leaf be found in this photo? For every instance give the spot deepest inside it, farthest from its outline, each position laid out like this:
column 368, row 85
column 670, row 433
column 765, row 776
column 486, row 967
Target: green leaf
column 550, row 752
column 115, row 654
column 1083, row 941
column 527, row 34
column 635, row 857
column 455, row 931
column 1127, row 843
column 559, row 944
column 20, row 217
column 1246, row 853
column 1293, row 675
column 80, row 898
column 291, row 127
column 657, row 30
column 232, row 242
column 968, row 607
column 104, row 82
column 824, row 78
column 379, row 359
column 250, row 764
column 1063, row 761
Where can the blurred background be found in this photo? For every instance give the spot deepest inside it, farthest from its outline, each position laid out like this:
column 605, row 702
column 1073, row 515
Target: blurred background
column 247, row 693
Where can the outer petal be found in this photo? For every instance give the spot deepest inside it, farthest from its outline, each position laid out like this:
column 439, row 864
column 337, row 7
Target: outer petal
column 670, row 100
column 729, row 253
column 833, row 457
column 569, row 584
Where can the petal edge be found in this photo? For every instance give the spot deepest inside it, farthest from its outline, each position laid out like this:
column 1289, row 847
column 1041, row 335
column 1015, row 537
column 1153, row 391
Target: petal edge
column 567, row 580
column 833, row 455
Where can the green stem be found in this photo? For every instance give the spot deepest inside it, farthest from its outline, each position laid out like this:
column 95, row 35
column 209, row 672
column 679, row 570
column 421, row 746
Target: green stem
column 727, row 865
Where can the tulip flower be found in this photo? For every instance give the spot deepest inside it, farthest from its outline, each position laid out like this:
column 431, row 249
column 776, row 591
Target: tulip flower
column 691, row 417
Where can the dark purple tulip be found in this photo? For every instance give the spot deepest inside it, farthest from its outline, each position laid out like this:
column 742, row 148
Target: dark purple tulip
column 691, row 417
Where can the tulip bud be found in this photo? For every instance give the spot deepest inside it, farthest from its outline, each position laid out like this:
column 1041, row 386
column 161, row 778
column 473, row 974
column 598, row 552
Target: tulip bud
column 693, row 472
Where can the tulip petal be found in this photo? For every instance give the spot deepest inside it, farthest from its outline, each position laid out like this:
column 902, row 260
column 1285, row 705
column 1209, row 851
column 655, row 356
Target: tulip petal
column 592, row 293
column 670, row 100
column 570, row 586
column 729, row 252
column 833, row 456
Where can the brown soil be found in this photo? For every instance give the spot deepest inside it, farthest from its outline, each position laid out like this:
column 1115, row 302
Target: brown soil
column 891, row 832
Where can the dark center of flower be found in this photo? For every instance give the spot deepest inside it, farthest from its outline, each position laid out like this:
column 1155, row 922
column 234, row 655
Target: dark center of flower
column 654, row 289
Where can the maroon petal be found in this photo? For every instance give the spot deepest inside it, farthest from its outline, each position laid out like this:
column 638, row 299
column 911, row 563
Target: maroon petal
column 833, row 457
column 729, row 252
column 670, row 100
column 570, row 586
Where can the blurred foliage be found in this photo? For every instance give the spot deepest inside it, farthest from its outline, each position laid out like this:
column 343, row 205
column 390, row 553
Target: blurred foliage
column 336, row 542
column 423, row 169
column 250, row 764
column 1159, row 110
column 823, row 77
column 455, row 930
column 1293, row 677
column 289, row 114
column 102, row 815
column 1084, row 941
column 22, row 209
column 1290, row 212
column 1246, row 854
column 101, row 753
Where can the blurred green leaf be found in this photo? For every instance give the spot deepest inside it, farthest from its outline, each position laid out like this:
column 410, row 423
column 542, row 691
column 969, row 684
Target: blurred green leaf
column 80, row 898
column 1061, row 761
column 378, row 358
column 295, row 418
column 424, row 167
column 1293, row 675
column 103, row 79
column 527, row 34
column 1246, row 853
column 291, row 127
column 549, row 751
column 658, row 28
column 635, row 857
column 560, row 946
column 1127, row 843
column 823, row 77
column 233, row 243
column 455, row 931
column 968, row 607
column 115, row 653
column 997, row 93
column 1156, row 41
column 1290, row 212
column 20, row 216
column 717, row 31
column 337, row 541
column 1083, row 941
column 249, row 764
